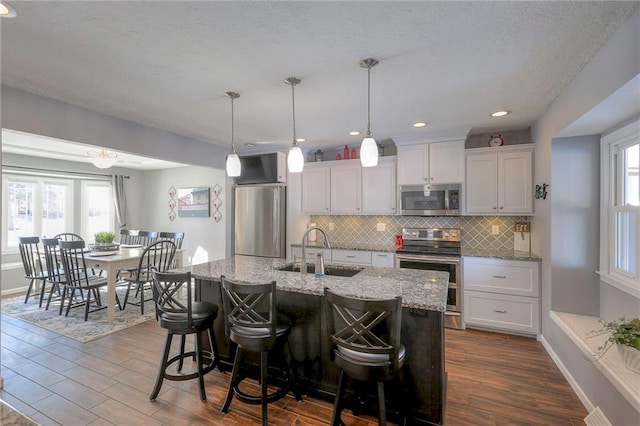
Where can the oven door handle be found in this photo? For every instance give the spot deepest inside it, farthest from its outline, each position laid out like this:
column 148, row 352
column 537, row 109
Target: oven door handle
column 421, row 258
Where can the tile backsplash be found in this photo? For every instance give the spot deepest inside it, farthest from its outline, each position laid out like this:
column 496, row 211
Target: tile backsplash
column 475, row 230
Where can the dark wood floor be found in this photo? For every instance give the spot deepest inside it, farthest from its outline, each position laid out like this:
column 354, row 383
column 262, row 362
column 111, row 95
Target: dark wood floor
column 494, row 379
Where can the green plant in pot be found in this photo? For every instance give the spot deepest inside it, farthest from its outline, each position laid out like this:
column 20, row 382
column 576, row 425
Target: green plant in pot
column 105, row 237
column 625, row 335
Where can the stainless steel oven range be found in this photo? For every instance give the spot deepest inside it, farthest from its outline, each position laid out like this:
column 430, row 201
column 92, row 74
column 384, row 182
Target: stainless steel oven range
column 436, row 249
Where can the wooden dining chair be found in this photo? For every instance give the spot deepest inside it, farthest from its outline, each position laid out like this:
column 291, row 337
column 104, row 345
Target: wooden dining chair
column 32, row 262
column 55, row 270
column 68, row 236
column 147, row 238
column 158, row 256
column 129, row 236
column 175, row 237
column 79, row 280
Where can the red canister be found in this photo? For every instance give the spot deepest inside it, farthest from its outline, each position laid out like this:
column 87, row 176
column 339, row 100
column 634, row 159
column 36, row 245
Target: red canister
column 354, row 154
column 346, row 152
column 399, row 242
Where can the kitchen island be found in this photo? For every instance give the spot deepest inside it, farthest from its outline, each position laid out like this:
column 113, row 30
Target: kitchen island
column 300, row 300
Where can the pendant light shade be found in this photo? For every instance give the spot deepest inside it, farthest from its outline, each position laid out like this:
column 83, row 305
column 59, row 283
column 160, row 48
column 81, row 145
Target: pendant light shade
column 369, row 147
column 295, row 159
column 233, row 165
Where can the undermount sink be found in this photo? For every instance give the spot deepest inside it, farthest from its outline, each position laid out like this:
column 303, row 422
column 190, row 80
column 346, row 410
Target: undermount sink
column 337, row 271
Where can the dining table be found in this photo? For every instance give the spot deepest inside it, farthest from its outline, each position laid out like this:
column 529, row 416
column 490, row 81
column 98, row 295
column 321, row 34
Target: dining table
column 112, row 261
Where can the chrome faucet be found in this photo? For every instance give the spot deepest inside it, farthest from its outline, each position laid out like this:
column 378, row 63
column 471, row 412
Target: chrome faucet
column 305, row 237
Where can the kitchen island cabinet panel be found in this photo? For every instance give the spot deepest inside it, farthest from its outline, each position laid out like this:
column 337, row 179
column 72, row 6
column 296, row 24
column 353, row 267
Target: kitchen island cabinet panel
column 300, row 302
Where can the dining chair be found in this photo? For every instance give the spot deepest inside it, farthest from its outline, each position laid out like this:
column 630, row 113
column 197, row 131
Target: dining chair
column 365, row 334
column 251, row 323
column 176, row 237
column 183, row 316
column 147, row 238
column 55, row 270
column 32, row 263
column 158, row 256
column 129, row 236
column 68, row 236
column 79, row 280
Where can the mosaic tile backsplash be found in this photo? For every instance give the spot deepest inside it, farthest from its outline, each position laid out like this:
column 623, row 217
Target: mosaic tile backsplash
column 475, row 230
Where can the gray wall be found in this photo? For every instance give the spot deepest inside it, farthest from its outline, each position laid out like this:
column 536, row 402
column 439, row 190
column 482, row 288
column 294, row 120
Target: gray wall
column 596, row 81
column 575, row 225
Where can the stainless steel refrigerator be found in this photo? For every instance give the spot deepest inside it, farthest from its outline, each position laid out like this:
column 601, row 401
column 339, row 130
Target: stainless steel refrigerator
column 260, row 220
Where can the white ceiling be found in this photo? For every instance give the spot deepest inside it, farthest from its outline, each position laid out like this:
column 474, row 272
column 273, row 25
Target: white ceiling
column 168, row 64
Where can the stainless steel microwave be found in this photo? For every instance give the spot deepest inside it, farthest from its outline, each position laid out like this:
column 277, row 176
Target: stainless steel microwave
column 430, row 200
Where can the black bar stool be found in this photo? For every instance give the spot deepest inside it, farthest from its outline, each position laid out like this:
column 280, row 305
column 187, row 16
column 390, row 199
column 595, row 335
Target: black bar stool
column 251, row 323
column 366, row 335
column 183, row 316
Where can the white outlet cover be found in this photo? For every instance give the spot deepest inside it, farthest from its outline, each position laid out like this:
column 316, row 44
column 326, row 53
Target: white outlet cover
column 381, row 227
column 331, row 226
column 495, row 230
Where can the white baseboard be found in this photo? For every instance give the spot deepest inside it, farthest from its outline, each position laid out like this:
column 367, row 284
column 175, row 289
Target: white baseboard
column 567, row 375
column 12, row 291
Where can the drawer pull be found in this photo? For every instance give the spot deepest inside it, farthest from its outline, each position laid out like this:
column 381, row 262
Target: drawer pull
column 499, row 276
column 499, row 311
column 382, row 255
column 351, row 256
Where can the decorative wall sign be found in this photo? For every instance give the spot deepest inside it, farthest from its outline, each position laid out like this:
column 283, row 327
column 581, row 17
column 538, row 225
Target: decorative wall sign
column 216, row 202
column 172, row 203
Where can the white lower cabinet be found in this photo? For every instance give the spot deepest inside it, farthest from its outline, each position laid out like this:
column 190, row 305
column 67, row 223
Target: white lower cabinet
column 347, row 257
column 383, row 258
column 501, row 294
column 358, row 257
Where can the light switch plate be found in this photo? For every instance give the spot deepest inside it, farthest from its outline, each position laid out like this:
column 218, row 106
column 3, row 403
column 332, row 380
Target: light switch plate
column 495, row 229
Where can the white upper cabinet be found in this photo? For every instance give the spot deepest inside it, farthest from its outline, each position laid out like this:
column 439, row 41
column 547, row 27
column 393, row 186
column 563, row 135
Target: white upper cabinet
column 316, row 189
column 499, row 180
column 346, row 189
column 379, row 187
column 437, row 162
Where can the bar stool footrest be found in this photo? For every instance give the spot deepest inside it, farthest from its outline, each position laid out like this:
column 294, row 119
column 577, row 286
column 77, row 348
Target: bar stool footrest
column 205, row 368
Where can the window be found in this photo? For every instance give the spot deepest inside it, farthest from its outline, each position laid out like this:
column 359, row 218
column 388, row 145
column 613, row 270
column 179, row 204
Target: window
column 97, row 208
column 620, row 264
column 35, row 206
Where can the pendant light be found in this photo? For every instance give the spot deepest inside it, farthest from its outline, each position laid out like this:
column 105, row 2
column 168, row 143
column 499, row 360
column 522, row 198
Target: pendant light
column 369, row 147
column 295, row 159
column 233, row 161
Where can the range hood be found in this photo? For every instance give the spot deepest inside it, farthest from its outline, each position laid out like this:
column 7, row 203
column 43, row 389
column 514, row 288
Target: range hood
column 264, row 168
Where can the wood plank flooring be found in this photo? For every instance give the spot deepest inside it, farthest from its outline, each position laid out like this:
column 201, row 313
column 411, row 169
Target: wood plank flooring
column 494, row 379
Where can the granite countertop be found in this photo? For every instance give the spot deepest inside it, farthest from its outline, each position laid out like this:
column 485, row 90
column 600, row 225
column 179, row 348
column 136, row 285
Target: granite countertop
column 501, row 254
column 352, row 246
column 419, row 289
column 9, row 416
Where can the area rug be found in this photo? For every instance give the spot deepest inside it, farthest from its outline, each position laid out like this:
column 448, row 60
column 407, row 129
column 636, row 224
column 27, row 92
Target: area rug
column 74, row 326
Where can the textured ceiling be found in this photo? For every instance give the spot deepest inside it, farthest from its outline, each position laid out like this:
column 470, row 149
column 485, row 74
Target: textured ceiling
column 168, row 64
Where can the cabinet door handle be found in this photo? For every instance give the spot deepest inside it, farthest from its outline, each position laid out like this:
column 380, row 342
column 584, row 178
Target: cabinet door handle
column 499, row 311
column 351, row 256
column 495, row 208
column 382, row 255
column 499, row 276
column 502, row 207
column 357, row 208
column 326, row 208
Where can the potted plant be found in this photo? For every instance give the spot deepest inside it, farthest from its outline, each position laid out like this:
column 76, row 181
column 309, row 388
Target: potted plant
column 105, row 237
column 625, row 334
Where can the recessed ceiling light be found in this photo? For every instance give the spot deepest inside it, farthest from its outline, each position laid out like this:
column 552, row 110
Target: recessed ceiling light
column 419, row 124
column 354, row 133
column 499, row 113
column 301, row 140
column 6, row 11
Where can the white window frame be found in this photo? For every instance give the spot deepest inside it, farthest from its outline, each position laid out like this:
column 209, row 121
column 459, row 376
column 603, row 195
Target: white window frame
column 84, row 213
column 39, row 182
column 611, row 190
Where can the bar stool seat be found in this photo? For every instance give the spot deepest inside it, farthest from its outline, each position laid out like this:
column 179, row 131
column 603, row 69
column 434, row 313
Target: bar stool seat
column 366, row 338
column 183, row 317
column 251, row 323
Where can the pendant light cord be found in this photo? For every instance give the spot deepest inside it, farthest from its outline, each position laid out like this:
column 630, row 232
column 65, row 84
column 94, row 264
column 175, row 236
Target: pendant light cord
column 368, row 101
column 293, row 102
column 233, row 147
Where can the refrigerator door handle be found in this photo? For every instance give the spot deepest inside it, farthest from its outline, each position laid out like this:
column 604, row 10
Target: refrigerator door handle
column 276, row 219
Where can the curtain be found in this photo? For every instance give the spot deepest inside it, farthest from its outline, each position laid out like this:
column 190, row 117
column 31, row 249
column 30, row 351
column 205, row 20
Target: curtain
column 119, row 199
